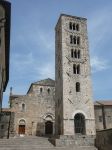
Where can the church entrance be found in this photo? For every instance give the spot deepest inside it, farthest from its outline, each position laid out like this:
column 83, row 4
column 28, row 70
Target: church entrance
column 79, row 122
column 49, row 128
column 21, row 129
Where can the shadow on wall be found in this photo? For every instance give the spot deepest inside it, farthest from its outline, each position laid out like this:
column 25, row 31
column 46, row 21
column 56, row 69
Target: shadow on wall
column 40, row 129
column 44, row 129
column 104, row 139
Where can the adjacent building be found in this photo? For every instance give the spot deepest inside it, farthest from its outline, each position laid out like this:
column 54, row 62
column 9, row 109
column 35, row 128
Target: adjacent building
column 103, row 114
column 34, row 112
column 5, row 13
column 6, row 123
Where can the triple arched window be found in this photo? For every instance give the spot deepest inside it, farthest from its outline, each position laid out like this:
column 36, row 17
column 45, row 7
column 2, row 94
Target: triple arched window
column 74, row 39
column 74, row 26
column 75, row 53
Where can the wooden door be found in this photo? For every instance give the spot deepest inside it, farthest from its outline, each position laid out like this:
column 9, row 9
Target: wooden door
column 49, row 127
column 21, row 129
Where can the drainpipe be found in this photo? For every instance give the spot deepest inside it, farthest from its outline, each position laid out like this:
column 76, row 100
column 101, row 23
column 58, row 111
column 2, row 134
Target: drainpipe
column 103, row 114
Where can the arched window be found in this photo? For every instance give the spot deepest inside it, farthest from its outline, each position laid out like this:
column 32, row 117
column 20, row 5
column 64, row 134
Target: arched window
column 77, row 87
column 23, row 107
column 71, row 39
column 70, row 25
column 77, row 27
column 75, row 53
column 78, row 40
column 41, row 90
column 72, row 53
column 74, row 69
column 74, row 39
column 48, row 90
column 79, row 54
column 74, row 26
column 78, row 69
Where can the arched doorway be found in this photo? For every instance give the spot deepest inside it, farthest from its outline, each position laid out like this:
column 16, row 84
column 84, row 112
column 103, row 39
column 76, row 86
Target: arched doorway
column 48, row 128
column 79, row 122
column 21, row 129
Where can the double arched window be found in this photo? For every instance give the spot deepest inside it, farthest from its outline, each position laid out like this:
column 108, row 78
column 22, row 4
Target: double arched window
column 76, row 69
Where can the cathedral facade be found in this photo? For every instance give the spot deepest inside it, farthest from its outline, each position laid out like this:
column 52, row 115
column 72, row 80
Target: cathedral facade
column 34, row 112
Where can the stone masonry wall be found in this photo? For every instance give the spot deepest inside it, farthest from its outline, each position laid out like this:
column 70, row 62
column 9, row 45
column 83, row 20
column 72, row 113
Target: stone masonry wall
column 72, row 102
column 39, row 108
column 104, row 139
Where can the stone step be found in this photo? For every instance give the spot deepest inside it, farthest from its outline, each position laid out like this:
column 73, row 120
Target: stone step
column 35, row 143
column 55, row 148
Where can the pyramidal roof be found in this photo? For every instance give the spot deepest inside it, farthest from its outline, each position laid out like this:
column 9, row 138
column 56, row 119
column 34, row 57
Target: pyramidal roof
column 48, row 81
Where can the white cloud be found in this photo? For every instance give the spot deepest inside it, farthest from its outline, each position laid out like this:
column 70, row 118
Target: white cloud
column 47, row 71
column 28, row 65
column 98, row 64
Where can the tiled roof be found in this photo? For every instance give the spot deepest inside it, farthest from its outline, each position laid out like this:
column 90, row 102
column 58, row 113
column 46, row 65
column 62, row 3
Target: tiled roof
column 103, row 102
column 6, row 110
column 48, row 82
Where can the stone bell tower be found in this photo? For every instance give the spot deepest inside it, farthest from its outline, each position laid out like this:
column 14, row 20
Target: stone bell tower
column 74, row 106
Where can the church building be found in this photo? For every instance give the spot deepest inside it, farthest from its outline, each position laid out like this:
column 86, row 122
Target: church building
column 63, row 108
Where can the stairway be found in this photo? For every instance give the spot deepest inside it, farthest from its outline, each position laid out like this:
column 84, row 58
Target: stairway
column 34, row 143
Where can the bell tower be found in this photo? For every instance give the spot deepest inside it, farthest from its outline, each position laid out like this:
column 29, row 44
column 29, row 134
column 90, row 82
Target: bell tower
column 74, row 107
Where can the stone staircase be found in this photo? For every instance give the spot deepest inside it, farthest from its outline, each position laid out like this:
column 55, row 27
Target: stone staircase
column 34, row 143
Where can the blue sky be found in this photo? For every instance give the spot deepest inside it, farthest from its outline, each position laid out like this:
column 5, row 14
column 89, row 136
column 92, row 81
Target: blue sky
column 33, row 42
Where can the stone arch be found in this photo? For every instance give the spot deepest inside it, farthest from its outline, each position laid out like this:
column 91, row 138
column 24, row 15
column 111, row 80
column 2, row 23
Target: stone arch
column 48, row 115
column 49, row 123
column 79, row 111
column 21, row 126
column 79, row 123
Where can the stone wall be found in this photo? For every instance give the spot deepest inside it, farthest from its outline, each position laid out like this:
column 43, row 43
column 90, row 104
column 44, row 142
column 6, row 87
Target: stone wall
column 104, row 139
column 103, row 116
column 6, row 124
column 69, row 102
column 35, row 108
